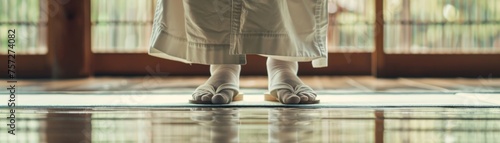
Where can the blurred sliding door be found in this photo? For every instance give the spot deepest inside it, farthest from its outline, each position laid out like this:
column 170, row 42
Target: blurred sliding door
column 438, row 38
column 30, row 24
column 350, row 37
column 121, row 30
column 29, row 21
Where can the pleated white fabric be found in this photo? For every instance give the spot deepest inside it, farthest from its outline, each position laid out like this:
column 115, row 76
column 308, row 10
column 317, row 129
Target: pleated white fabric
column 225, row 31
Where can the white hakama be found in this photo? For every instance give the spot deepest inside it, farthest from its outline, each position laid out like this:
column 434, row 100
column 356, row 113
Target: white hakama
column 225, row 31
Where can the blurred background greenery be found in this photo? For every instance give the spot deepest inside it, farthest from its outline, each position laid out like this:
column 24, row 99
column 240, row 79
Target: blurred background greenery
column 122, row 26
column 411, row 26
column 417, row 26
column 26, row 17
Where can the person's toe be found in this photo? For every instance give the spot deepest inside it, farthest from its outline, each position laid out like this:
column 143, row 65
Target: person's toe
column 303, row 97
column 223, row 97
column 219, row 99
column 198, row 95
column 288, row 97
column 292, row 99
column 206, row 97
column 311, row 96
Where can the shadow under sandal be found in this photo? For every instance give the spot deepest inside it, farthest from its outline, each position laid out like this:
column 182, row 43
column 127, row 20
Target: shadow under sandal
column 293, row 92
column 218, row 96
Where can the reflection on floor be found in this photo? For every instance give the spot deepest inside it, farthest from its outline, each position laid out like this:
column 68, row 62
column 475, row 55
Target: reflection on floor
column 255, row 125
column 479, row 122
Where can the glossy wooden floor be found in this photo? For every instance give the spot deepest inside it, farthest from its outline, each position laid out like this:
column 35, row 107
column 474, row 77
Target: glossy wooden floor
column 255, row 125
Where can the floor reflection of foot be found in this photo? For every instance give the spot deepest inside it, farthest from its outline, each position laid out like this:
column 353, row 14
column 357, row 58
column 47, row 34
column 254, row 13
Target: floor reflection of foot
column 285, row 84
column 221, row 123
column 291, row 125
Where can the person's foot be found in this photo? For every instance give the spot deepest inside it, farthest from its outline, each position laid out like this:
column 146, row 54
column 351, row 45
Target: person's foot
column 285, row 84
column 221, row 87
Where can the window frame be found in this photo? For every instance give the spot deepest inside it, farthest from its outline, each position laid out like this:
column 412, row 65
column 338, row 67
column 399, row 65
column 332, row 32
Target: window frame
column 427, row 65
column 68, row 44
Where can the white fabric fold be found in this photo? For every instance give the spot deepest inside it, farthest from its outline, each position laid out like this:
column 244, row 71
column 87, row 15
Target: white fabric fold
column 225, row 31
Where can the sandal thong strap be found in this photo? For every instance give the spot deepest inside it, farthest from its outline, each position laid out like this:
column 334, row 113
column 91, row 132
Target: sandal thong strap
column 227, row 86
